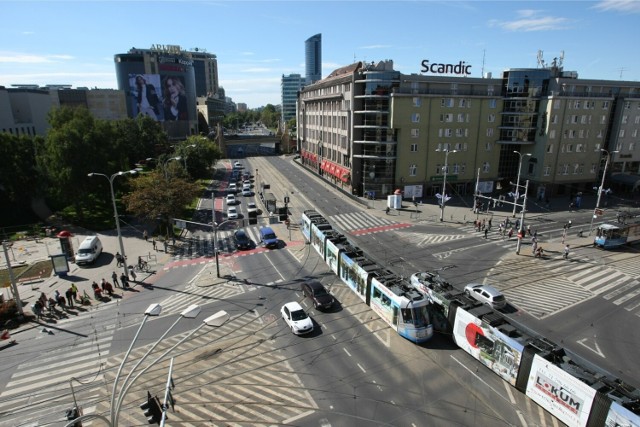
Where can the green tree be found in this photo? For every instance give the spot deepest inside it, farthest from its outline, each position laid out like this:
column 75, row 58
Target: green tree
column 19, row 177
column 198, row 153
column 270, row 116
column 156, row 197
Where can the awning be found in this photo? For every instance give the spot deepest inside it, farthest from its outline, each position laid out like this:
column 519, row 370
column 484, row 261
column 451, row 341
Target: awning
column 632, row 181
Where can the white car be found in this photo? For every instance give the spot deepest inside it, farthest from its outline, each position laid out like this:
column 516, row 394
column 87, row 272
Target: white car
column 246, row 192
column 486, row 294
column 232, row 188
column 231, row 199
column 237, row 165
column 246, row 182
column 251, row 207
column 232, row 213
column 297, row 319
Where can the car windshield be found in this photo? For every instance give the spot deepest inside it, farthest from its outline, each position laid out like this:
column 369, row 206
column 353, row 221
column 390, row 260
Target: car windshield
column 498, row 298
column 270, row 236
column 320, row 292
column 85, row 251
column 298, row 315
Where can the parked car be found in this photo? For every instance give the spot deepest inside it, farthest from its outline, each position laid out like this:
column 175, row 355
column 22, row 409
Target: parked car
column 231, row 199
column 242, row 240
column 246, row 192
column 486, row 294
column 318, row 294
column 232, row 188
column 232, row 212
column 297, row 319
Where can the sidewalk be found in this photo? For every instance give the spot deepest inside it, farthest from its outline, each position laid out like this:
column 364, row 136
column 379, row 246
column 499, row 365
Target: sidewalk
column 29, row 288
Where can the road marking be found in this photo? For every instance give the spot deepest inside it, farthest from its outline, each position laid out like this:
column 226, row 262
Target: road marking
column 346, row 351
column 507, row 386
column 596, row 350
column 361, row 368
column 477, row 377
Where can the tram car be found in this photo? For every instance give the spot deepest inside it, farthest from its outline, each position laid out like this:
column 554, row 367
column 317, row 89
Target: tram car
column 573, row 390
column 403, row 308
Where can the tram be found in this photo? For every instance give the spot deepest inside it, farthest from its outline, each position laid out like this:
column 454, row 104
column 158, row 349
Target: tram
column 403, row 308
column 610, row 236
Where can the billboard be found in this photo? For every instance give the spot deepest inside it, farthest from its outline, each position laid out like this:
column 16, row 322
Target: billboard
column 161, row 97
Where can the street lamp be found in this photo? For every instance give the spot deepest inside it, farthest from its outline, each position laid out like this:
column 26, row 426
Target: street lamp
column 604, row 174
column 443, row 199
column 115, row 212
column 515, row 204
column 216, row 320
column 185, row 156
column 164, row 165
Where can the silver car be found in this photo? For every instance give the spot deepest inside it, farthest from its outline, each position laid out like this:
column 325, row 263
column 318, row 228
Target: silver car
column 486, row 294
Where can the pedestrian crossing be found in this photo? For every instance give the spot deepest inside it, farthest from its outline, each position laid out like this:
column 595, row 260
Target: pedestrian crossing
column 194, row 294
column 232, row 372
column 546, row 287
column 202, row 245
column 37, row 384
column 364, row 223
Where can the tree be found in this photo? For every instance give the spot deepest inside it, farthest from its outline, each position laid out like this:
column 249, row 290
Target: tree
column 270, row 116
column 19, row 177
column 198, row 153
column 156, row 197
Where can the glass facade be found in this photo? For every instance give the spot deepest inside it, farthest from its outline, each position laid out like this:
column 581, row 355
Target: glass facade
column 313, row 58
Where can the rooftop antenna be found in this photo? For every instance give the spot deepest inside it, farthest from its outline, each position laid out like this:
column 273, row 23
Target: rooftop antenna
column 484, row 51
column 621, row 71
column 540, row 59
column 561, row 59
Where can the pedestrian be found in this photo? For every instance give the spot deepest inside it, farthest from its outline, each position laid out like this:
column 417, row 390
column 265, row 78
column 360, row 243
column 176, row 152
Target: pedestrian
column 535, row 234
column 566, row 252
column 69, row 295
column 119, row 259
column 166, row 244
column 153, row 242
column 484, row 224
column 534, row 247
column 132, row 273
column 145, row 235
column 529, row 230
column 510, row 232
column 74, row 290
column 486, row 232
column 489, row 223
column 114, row 277
column 124, row 280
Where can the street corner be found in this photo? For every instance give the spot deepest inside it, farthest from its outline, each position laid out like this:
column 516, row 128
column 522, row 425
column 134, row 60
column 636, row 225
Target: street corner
column 208, row 276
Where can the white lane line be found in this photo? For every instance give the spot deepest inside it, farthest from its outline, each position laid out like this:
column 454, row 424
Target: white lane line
column 478, row 378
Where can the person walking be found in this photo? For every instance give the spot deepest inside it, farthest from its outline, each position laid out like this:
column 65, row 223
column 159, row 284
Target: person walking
column 145, row 235
column 534, row 247
column 153, row 242
column 124, row 280
column 165, row 243
column 119, row 259
column 74, row 290
column 566, row 252
column 486, row 232
column 69, row 295
column 132, row 273
column 114, row 277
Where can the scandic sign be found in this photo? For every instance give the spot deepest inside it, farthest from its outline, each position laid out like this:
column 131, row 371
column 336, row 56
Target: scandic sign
column 461, row 68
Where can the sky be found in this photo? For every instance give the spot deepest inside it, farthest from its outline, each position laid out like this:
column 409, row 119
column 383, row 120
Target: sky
column 256, row 42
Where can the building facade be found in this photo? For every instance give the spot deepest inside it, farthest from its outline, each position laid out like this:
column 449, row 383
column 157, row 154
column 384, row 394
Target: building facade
column 372, row 130
column 290, row 86
column 313, row 58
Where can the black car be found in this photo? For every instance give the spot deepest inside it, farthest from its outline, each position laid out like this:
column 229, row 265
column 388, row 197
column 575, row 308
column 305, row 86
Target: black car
column 242, row 240
column 316, row 291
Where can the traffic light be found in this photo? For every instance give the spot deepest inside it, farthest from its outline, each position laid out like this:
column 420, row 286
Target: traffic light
column 152, row 409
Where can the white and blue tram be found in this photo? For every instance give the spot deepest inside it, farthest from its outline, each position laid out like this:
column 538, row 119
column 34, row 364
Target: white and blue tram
column 398, row 304
column 610, row 236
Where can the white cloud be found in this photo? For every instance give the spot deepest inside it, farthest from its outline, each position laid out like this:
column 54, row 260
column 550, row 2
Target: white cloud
column 26, row 58
column 376, row 46
column 626, row 6
column 531, row 20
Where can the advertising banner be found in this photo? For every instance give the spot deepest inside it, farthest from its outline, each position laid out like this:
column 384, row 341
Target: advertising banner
column 146, row 95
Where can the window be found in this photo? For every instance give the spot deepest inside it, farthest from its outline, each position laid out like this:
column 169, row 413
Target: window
column 554, row 119
column 414, row 148
column 448, row 133
column 621, row 134
column 459, row 132
column 625, row 119
column 550, row 148
column 583, row 119
column 576, row 168
column 596, row 147
column 552, row 134
column 447, row 118
column 415, row 133
column 485, row 167
column 492, row 118
column 455, row 168
column 547, row 170
column 415, row 118
column 458, row 147
column 463, row 167
column 489, row 131
column 637, row 120
column 605, row 105
column 569, row 148
column 603, row 119
column 487, row 146
column 556, row 104
column 593, row 168
column 600, row 134
column 564, row 169
column 413, row 170
column 574, row 119
column 492, row 102
column 580, row 148
column 446, row 102
column 632, row 146
column 417, row 102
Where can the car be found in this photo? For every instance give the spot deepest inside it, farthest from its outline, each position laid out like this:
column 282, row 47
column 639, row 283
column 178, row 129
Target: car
column 246, row 192
column 251, row 207
column 232, row 213
column 232, row 188
column 297, row 319
column 237, row 165
column 318, row 294
column 486, row 294
column 268, row 238
column 242, row 240
column 246, row 176
column 246, row 182
column 246, row 187
column 231, row 199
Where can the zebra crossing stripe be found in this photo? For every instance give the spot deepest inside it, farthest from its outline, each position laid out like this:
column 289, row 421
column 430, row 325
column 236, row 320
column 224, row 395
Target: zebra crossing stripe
column 627, row 297
column 621, row 290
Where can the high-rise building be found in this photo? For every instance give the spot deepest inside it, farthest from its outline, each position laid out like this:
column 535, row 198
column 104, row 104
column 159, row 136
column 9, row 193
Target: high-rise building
column 290, row 85
column 313, row 58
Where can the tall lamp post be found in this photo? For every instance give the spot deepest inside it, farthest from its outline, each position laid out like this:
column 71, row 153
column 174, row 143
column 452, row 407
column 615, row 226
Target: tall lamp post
column 515, row 204
column 164, row 165
column 115, row 212
column 443, row 200
column 604, row 174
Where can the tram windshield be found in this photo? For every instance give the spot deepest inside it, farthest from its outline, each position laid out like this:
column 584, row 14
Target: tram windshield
column 418, row 316
column 611, row 232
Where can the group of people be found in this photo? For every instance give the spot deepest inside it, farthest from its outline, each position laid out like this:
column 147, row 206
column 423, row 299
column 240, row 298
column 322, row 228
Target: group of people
column 43, row 302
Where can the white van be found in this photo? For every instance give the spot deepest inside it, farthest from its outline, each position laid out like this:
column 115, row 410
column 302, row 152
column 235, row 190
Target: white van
column 89, row 250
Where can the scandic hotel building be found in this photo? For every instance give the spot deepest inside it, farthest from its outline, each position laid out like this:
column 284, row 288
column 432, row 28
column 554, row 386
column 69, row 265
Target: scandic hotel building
column 370, row 129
